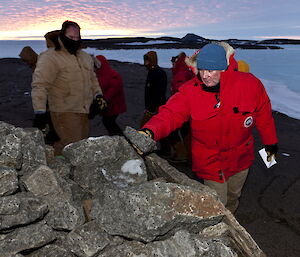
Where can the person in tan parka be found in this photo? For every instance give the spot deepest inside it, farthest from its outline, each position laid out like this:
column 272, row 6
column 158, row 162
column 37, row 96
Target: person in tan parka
column 65, row 76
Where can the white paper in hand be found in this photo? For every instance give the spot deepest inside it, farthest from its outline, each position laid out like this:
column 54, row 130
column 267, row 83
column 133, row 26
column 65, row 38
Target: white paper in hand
column 263, row 155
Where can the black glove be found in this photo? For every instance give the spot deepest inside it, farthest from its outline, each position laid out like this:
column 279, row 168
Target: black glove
column 271, row 151
column 40, row 121
column 101, row 103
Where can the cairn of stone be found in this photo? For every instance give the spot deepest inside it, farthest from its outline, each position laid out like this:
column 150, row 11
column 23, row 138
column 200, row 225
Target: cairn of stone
column 105, row 200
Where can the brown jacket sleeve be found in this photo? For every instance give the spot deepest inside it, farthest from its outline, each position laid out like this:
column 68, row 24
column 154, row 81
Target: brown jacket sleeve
column 42, row 79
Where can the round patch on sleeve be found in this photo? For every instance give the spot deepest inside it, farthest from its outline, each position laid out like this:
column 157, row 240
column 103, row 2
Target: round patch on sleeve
column 248, row 122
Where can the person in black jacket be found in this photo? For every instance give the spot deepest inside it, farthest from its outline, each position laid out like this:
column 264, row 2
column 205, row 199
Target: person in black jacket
column 155, row 94
column 155, row 88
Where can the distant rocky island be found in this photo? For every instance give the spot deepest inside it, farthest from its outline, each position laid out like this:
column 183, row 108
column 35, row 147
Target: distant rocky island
column 190, row 40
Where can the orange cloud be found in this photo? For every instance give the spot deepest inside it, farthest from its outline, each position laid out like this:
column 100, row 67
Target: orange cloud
column 118, row 17
column 33, row 18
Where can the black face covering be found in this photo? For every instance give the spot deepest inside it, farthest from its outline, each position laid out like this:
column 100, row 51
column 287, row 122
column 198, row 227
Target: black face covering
column 71, row 45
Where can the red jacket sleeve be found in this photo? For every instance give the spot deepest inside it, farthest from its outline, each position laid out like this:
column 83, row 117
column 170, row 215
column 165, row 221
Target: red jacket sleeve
column 264, row 119
column 171, row 115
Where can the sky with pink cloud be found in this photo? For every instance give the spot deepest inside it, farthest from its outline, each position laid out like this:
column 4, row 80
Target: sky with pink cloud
column 215, row 19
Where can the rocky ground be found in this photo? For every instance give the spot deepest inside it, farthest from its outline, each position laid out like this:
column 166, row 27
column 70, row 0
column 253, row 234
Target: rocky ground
column 269, row 207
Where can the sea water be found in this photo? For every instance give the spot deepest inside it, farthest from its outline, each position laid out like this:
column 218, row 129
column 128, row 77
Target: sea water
column 277, row 69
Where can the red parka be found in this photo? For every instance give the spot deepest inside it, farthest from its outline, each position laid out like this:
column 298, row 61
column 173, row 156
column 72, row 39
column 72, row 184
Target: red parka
column 222, row 141
column 181, row 74
column 112, row 87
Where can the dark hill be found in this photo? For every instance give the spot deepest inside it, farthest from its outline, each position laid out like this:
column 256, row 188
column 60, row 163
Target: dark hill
column 190, row 40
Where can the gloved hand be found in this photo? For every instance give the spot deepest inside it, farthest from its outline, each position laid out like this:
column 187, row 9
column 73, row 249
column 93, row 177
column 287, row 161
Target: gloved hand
column 99, row 105
column 40, row 121
column 141, row 140
column 146, row 132
column 101, row 102
column 271, row 151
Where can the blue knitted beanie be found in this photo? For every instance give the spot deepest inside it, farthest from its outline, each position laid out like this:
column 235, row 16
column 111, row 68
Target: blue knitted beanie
column 212, row 57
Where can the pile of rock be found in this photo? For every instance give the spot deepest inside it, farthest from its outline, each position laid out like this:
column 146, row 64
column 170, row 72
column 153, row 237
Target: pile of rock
column 105, row 200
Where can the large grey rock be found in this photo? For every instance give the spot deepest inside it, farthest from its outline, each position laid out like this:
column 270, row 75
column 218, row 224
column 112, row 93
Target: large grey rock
column 26, row 238
column 112, row 156
column 87, row 240
column 43, row 182
column 154, row 210
column 21, row 149
column 64, row 215
column 89, row 177
column 20, row 209
column 8, row 181
column 10, row 146
column 142, row 142
column 160, row 168
column 33, row 150
column 61, row 167
column 52, row 251
column 64, row 212
column 241, row 240
column 182, row 244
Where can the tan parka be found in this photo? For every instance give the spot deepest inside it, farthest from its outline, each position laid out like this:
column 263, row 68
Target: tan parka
column 68, row 82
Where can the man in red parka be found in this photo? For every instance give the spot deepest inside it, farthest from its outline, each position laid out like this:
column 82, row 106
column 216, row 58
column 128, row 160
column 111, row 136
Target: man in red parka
column 223, row 105
column 111, row 84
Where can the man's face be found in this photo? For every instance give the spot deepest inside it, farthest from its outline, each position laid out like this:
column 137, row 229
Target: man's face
column 210, row 77
column 73, row 33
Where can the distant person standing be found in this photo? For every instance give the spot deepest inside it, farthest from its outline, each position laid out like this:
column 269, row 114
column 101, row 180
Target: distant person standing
column 29, row 56
column 155, row 88
column 155, row 93
column 181, row 72
column 65, row 76
column 111, row 84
